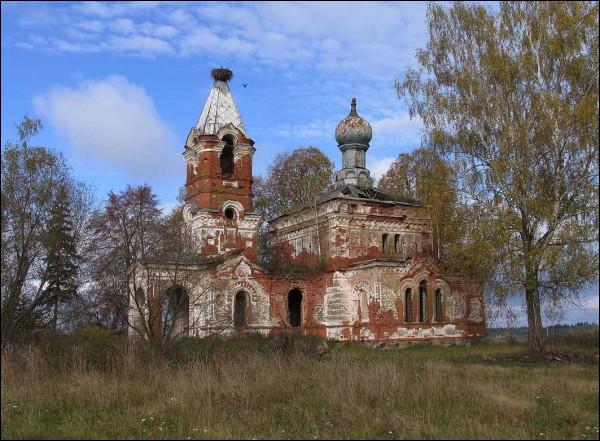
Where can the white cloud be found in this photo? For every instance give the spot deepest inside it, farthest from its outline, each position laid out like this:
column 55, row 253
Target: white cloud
column 122, row 25
column 203, row 39
column 108, row 10
column 306, row 131
column 140, row 45
column 158, row 30
column 379, row 167
column 91, row 25
column 591, row 304
column 114, row 122
column 363, row 37
column 396, row 124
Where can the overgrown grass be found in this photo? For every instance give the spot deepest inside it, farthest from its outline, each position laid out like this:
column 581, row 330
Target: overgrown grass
column 100, row 387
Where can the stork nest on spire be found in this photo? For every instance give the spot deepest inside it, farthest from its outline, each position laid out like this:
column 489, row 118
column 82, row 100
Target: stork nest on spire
column 221, row 74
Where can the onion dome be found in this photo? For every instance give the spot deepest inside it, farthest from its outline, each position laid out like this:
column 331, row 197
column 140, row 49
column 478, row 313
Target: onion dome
column 353, row 129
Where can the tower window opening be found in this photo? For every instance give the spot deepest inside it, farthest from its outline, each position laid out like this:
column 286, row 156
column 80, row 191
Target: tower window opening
column 397, row 243
column 227, row 159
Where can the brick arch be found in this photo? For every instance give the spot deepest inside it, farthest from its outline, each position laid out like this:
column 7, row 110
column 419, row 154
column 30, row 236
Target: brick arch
column 187, row 212
column 257, row 299
column 243, row 286
column 404, row 285
column 229, row 129
column 363, row 285
column 237, row 206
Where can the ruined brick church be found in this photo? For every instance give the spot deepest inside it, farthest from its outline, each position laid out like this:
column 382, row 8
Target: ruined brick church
column 379, row 277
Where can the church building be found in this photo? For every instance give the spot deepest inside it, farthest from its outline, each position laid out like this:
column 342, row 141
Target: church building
column 379, row 278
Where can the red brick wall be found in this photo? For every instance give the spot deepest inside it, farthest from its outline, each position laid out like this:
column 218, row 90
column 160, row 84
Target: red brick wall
column 207, row 189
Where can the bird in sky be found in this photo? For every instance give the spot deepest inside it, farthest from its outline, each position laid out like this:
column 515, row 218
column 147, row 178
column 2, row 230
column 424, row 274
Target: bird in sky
column 244, row 85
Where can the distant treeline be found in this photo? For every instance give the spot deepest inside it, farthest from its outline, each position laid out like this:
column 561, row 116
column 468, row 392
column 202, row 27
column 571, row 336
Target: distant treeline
column 577, row 328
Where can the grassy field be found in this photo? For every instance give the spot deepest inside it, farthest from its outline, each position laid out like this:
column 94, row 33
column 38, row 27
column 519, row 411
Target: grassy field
column 96, row 387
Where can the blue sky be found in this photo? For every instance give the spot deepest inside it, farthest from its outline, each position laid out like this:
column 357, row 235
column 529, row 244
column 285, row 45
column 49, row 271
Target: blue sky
column 119, row 85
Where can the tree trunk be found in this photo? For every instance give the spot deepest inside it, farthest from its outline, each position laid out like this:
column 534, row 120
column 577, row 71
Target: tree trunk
column 55, row 315
column 534, row 320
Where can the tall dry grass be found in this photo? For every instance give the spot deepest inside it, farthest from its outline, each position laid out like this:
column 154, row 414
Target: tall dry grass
column 102, row 387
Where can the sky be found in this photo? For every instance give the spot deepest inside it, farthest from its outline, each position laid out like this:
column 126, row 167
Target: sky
column 118, row 86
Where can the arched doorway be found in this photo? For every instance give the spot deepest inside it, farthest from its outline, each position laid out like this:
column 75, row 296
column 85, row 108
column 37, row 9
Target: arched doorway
column 239, row 309
column 177, row 319
column 295, row 307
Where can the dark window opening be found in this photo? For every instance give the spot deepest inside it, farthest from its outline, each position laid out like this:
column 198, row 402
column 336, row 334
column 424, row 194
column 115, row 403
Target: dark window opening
column 177, row 316
column 239, row 310
column 397, row 243
column 227, row 156
column 438, row 305
column 383, row 242
column 230, row 213
column 422, row 301
column 408, row 305
column 295, row 307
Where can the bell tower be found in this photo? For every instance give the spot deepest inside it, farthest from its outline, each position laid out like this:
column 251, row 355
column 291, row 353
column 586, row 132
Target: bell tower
column 218, row 189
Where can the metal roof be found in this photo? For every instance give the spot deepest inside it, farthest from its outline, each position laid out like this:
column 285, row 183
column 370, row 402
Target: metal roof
column 354, row 193
column 220, row 109
column 350, row 191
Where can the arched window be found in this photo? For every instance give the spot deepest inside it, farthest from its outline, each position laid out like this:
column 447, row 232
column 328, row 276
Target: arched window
column 384, row 238
column 423, row 301
column 295, row 307
column 362, row 305
column 438, row 305
column 397, row 244
column 239, row 310
column 227, row 163
column 408, row 305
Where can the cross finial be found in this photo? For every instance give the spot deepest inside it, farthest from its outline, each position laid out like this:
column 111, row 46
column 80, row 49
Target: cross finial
column 353, row 107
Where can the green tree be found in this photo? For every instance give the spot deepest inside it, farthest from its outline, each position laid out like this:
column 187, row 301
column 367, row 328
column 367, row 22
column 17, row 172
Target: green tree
column 294, row 181
column 513, row 96
column 32, row 177
column 426, row 176
column 62, row 258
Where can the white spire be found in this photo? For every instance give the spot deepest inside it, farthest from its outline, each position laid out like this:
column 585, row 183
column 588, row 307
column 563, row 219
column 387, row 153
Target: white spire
column 220, row 108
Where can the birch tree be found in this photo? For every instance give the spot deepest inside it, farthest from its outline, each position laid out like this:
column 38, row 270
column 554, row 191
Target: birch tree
column 34, row 178
column 512, row 95
column 294, row 181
